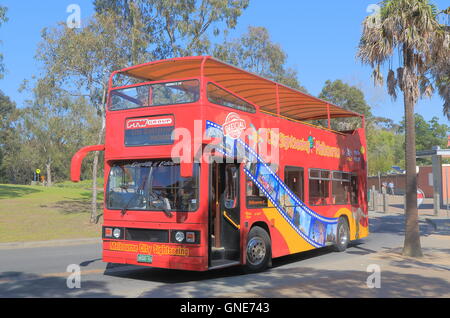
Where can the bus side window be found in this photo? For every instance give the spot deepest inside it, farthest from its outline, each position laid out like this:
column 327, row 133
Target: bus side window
column 255, row 197
column 340, row 187
column 319, row 187
column 293, row 178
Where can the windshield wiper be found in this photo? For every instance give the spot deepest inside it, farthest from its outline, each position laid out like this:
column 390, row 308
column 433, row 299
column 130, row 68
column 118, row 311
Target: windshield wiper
column 136, row 194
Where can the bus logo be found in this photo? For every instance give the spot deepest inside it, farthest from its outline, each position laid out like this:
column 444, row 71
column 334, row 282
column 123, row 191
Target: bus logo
column 140, row 123
column 233, row 126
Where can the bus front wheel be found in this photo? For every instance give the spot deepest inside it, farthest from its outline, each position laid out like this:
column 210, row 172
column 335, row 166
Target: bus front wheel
column 342, row 235
column 259, row 251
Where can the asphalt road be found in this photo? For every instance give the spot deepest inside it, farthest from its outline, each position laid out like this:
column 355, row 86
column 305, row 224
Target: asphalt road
column 42, row 272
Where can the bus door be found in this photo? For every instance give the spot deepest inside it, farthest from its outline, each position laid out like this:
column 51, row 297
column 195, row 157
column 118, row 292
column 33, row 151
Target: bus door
column 224, row 214
column 355, row 202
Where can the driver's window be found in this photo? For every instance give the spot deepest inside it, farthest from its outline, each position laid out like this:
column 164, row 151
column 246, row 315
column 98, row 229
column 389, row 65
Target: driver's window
column 121, row 179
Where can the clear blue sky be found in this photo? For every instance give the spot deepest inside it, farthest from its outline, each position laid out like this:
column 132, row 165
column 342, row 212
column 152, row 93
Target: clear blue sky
column 320, row 38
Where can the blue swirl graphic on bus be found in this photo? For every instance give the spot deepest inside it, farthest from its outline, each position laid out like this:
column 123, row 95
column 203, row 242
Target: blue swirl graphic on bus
column 316, row 229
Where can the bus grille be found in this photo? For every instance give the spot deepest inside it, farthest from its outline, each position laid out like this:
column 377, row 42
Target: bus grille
column 145, row 235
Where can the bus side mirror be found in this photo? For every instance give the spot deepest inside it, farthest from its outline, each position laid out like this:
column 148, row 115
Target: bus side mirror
column 77, row 159
column 186, row 169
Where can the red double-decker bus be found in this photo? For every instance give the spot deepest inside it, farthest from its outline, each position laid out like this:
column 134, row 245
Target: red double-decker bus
column 207, row 166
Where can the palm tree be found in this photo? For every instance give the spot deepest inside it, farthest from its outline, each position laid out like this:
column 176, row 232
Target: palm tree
column 410, row 30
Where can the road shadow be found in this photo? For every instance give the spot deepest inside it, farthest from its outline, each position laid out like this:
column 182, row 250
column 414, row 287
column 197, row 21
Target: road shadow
column 23, row 285
column 439, row 226
column 307, row 282
column 354, row 248
column 170, row 276
column 12, row 192
column 395, row 224
column 89, row 262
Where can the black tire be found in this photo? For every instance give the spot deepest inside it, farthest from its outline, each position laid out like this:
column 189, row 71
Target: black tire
column 342, row 235
column 259, row 250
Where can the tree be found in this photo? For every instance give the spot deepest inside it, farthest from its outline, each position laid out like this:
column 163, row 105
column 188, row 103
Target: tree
column 409, row 27
column 428, row 135
column 384, row 123
column 49, row 129
column 350, row 98
column 3, row 18
column 255, row 52
column 7, row 115
column 179, row 28
column 440, row 66
column 347, row 96
column 384, row 150
column 79, row 62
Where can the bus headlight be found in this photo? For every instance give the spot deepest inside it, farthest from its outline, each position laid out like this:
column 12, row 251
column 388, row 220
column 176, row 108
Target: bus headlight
column 116, row 233
column 179, row 236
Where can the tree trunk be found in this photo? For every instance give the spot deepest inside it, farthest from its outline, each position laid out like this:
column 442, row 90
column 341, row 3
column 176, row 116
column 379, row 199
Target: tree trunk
column 411, row 245
column 48, row 167
column 94, row 213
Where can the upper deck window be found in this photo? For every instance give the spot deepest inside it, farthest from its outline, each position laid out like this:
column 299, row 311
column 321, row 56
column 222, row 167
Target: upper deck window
column 219, row 96
column 159, row 94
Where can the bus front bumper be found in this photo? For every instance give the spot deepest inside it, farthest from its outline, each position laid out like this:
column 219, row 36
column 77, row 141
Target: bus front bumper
column 158, row 255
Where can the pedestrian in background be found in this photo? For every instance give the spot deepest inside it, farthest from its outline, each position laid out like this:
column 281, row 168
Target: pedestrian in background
column 391, row 187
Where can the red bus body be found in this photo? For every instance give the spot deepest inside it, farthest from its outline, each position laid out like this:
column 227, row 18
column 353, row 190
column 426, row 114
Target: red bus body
column 303, row 148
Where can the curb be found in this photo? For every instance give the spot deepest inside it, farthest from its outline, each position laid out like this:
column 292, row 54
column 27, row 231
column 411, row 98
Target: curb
column 67, row 242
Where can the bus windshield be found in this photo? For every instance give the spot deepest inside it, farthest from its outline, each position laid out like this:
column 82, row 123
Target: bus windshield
column 152, row 186
column 158, row 94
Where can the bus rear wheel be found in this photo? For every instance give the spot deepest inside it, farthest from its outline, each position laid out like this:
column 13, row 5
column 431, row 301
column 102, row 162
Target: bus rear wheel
column 342, row 235
column 259, row 250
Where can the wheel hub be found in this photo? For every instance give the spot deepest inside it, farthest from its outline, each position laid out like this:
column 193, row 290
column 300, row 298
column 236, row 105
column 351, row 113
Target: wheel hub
column 256, row 251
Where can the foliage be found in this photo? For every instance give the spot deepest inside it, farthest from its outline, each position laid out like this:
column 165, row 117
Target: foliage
column 51, row 131
column 3, row 18
column 410, row 29
column 8, row 138
column 255, row 52
column 178, row 28
column 346, row 96
column 385, row 149
column 429, row 134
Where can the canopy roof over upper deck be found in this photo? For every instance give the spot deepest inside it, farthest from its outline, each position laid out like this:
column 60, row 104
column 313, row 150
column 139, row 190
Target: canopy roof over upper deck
column 266, row 94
